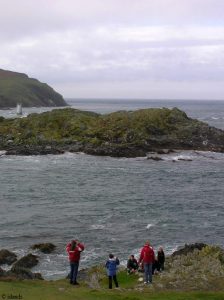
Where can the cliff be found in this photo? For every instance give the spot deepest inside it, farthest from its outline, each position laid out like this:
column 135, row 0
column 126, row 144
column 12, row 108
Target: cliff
column 19, row 88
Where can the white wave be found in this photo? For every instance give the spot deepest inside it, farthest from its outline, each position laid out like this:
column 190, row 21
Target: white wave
column 97, row 226
column 5, row 267
column 90, row 254
column 210, row 154
column 150, row 226
column 182, row 157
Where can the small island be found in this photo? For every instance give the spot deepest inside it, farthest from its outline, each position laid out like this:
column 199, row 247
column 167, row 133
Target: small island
column 19, row 88
column 118, row 134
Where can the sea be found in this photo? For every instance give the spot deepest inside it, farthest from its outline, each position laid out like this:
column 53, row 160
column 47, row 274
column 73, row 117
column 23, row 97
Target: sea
column 112, row 204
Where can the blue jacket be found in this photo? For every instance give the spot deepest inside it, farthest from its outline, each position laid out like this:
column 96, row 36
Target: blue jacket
column 111, row 266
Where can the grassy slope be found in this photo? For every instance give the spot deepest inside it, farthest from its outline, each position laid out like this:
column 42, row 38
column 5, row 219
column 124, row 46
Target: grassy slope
column 197, row 275
column 16, row 87
column 62, row 290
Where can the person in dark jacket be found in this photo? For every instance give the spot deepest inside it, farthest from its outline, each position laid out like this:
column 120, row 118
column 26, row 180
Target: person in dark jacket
column 111, row 266
column 160, row 259
column 147, row 256
column 132, row 265
column 74, row 250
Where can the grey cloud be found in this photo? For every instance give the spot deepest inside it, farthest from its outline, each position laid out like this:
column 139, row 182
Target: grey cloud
column 115, row 44
column 28, row 17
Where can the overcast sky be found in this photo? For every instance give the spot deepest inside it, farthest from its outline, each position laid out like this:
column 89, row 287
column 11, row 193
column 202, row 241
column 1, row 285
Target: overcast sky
column 155, row 49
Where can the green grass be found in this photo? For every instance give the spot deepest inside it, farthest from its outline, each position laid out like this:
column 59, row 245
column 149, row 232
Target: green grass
column 62, row 290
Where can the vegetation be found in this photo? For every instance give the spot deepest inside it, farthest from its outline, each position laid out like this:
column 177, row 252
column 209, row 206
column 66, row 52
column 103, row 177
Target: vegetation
column 61, row 290
column 117, row 134
column 19, row 88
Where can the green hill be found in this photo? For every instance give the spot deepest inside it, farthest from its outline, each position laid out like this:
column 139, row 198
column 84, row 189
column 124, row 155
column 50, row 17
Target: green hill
column 19, row 88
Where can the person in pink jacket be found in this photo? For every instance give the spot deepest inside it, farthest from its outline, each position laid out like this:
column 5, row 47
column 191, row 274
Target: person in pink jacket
column 147, row 256
column 74, row 250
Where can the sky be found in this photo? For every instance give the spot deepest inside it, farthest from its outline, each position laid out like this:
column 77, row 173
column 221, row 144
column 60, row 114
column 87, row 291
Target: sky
column 141, row 49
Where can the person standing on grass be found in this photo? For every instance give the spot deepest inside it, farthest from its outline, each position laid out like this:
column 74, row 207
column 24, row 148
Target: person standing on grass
column 74, row 250
column 111, row 266
column 147, row 256
column 160, row 259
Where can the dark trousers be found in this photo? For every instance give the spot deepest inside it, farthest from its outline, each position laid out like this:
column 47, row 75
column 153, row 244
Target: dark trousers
column 148, row 272
column 110, row 281
column 74, row 271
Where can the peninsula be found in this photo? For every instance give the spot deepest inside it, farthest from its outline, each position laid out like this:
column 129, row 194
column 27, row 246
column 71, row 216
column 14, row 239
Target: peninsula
column 19, row 88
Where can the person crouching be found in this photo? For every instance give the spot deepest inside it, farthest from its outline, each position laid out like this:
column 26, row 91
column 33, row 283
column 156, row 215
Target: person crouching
column 132, row 264
column 111, row 266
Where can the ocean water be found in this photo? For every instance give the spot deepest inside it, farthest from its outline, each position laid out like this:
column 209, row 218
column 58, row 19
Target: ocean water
column 110, row 204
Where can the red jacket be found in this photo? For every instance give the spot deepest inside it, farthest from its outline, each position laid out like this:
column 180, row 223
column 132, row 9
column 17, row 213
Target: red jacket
column 147, row 255
column 74, row 256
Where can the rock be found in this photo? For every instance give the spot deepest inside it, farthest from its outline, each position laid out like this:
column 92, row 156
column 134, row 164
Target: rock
column 188, row 249
column 7, row 257
column 26, row 262
column 185, row 159
column 2, row 272
column 44, row 247
column 156, row 158
column 22, row 273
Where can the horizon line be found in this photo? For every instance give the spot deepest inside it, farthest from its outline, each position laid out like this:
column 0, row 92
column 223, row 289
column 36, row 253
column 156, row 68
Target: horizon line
column 139, row 99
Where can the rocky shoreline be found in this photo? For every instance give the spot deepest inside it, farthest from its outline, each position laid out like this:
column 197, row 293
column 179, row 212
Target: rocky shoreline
column 21, row 268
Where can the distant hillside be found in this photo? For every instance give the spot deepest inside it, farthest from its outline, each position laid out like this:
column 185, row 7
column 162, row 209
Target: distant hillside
column 19, row 88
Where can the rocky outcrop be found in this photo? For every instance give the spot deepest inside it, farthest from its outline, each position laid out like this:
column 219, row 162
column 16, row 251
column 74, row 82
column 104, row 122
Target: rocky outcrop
column 19, row 88
column 21, row 268
column 44, row 247
column 26, row 262
column 188, row 248
column 21, row 274
column 7, row 257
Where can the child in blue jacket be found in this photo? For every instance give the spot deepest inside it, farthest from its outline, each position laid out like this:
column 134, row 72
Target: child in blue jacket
column 111, row 266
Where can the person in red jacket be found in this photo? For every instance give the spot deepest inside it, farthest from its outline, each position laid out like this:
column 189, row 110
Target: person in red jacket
column 74, row 250
column 147, row 256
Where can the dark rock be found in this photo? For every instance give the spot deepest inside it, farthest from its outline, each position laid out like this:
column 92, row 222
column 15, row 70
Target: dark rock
column 26, row 262
column 7, row 257
column 22, row 273
column 44, row 247
column 185, row 159
column 188, row 249
column 115, row 150
column 2, row 272
column 33, row 150
column 156, row 158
